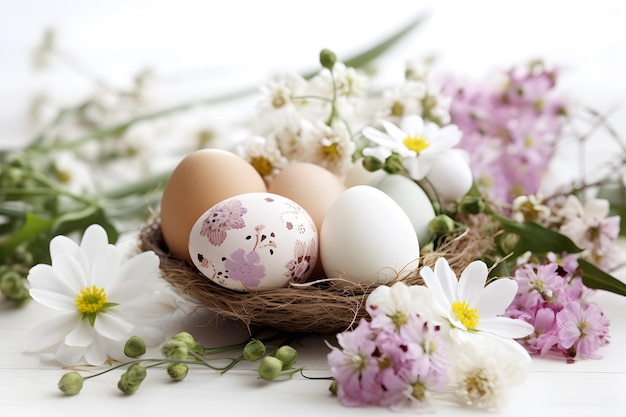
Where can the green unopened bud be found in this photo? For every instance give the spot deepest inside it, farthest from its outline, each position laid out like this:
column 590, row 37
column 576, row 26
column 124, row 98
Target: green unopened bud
column 190, row 342
column 13, row 287
column 441, row 225
column 270, row 368
column 177, row 371
column 328, row 58
column 131, row 379
column 134, row 347
column 393, row 164
column 175, row 349
column 287, row 355
column 254, row 350
column 333, row 388
column 71, row 383
column 372, row 164
column 471, row 205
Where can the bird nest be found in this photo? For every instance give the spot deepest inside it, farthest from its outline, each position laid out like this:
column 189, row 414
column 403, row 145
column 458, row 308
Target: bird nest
column 322, row 306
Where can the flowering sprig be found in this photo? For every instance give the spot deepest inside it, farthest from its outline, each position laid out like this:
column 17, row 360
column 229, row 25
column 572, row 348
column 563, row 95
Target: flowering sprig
column 181, row 352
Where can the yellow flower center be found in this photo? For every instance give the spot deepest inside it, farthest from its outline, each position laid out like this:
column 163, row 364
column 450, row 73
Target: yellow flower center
column 91, row 300
column 262, row 165
column 330, row 151
column 419, row 391
column 467, row 316
column 399, row 319
column 416, row 143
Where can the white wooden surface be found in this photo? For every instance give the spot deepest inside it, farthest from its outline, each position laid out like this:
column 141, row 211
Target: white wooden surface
column 248, row 40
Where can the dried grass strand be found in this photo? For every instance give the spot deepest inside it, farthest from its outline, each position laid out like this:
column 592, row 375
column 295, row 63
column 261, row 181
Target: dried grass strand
column 322, row 306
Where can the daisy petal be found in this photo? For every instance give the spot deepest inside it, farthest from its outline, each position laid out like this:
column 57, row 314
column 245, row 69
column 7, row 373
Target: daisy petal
column 63, row 245
column 94, row 241
column 96, row 354
column 132, row 276
column 53, row 299
column 412, row 124
column 506, row 327
column 69, row 269
column 472, row 282
column 496, row 297
column 397, row 134
column 112, row 326
column 379, row 137
column 81, row 336
column 49, row 332
column 43, row 277
column 105, row 267
column 69, row 355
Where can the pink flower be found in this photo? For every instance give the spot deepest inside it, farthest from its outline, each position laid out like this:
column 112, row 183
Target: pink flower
column 355, row 367
column 222, row 217
column 242, row 266
column 303, row 261
column 582, row 330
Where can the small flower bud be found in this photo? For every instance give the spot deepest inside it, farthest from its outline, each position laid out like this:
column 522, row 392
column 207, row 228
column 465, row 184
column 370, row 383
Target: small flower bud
column 270, row 368
column 393, row 164
column 333, row 388
column 372, row 163
column 134, row 347
column 71, row 383
column 177, row 371
column 13, row 287
column 190, row 342
column 254, row 350
column 175, row 349
column 287, row 355
column 131, row 379
column 328, row 59
column 471, row 205
column 441, row 224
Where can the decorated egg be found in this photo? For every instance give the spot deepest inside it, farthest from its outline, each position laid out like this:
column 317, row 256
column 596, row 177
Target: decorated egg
column 413, row 201
column 366, row 237
column 254, row 241
column 201, row 180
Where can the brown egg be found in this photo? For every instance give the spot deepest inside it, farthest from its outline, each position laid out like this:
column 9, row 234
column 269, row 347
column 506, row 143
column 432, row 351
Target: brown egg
column 313, row 187
column 201, row 180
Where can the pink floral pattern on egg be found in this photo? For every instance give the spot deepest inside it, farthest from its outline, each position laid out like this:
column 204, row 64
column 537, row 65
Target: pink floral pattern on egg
column 224, row 216
column 281, row 248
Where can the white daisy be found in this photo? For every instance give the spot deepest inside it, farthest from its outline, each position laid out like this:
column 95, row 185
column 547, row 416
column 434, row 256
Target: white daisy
column 470, row 307
column 98, row 299
column 482, row 371
column 418, row 143
column 263, row 154
column 330, row 147
column 391, row 306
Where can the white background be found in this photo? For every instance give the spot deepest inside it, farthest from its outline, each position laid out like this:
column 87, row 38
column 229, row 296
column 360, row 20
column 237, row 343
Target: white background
column 227, row 43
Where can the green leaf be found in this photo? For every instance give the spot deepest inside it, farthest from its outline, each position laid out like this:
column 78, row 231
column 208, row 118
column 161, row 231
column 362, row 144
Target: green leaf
column 536, row 238
column 594, row 277
column 78, row 221
column 34, row 225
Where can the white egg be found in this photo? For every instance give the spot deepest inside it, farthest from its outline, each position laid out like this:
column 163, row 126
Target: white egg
column 366, row 237
column 254, row 241
column 451, row 175
column 413, row 200
column 357, row 175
